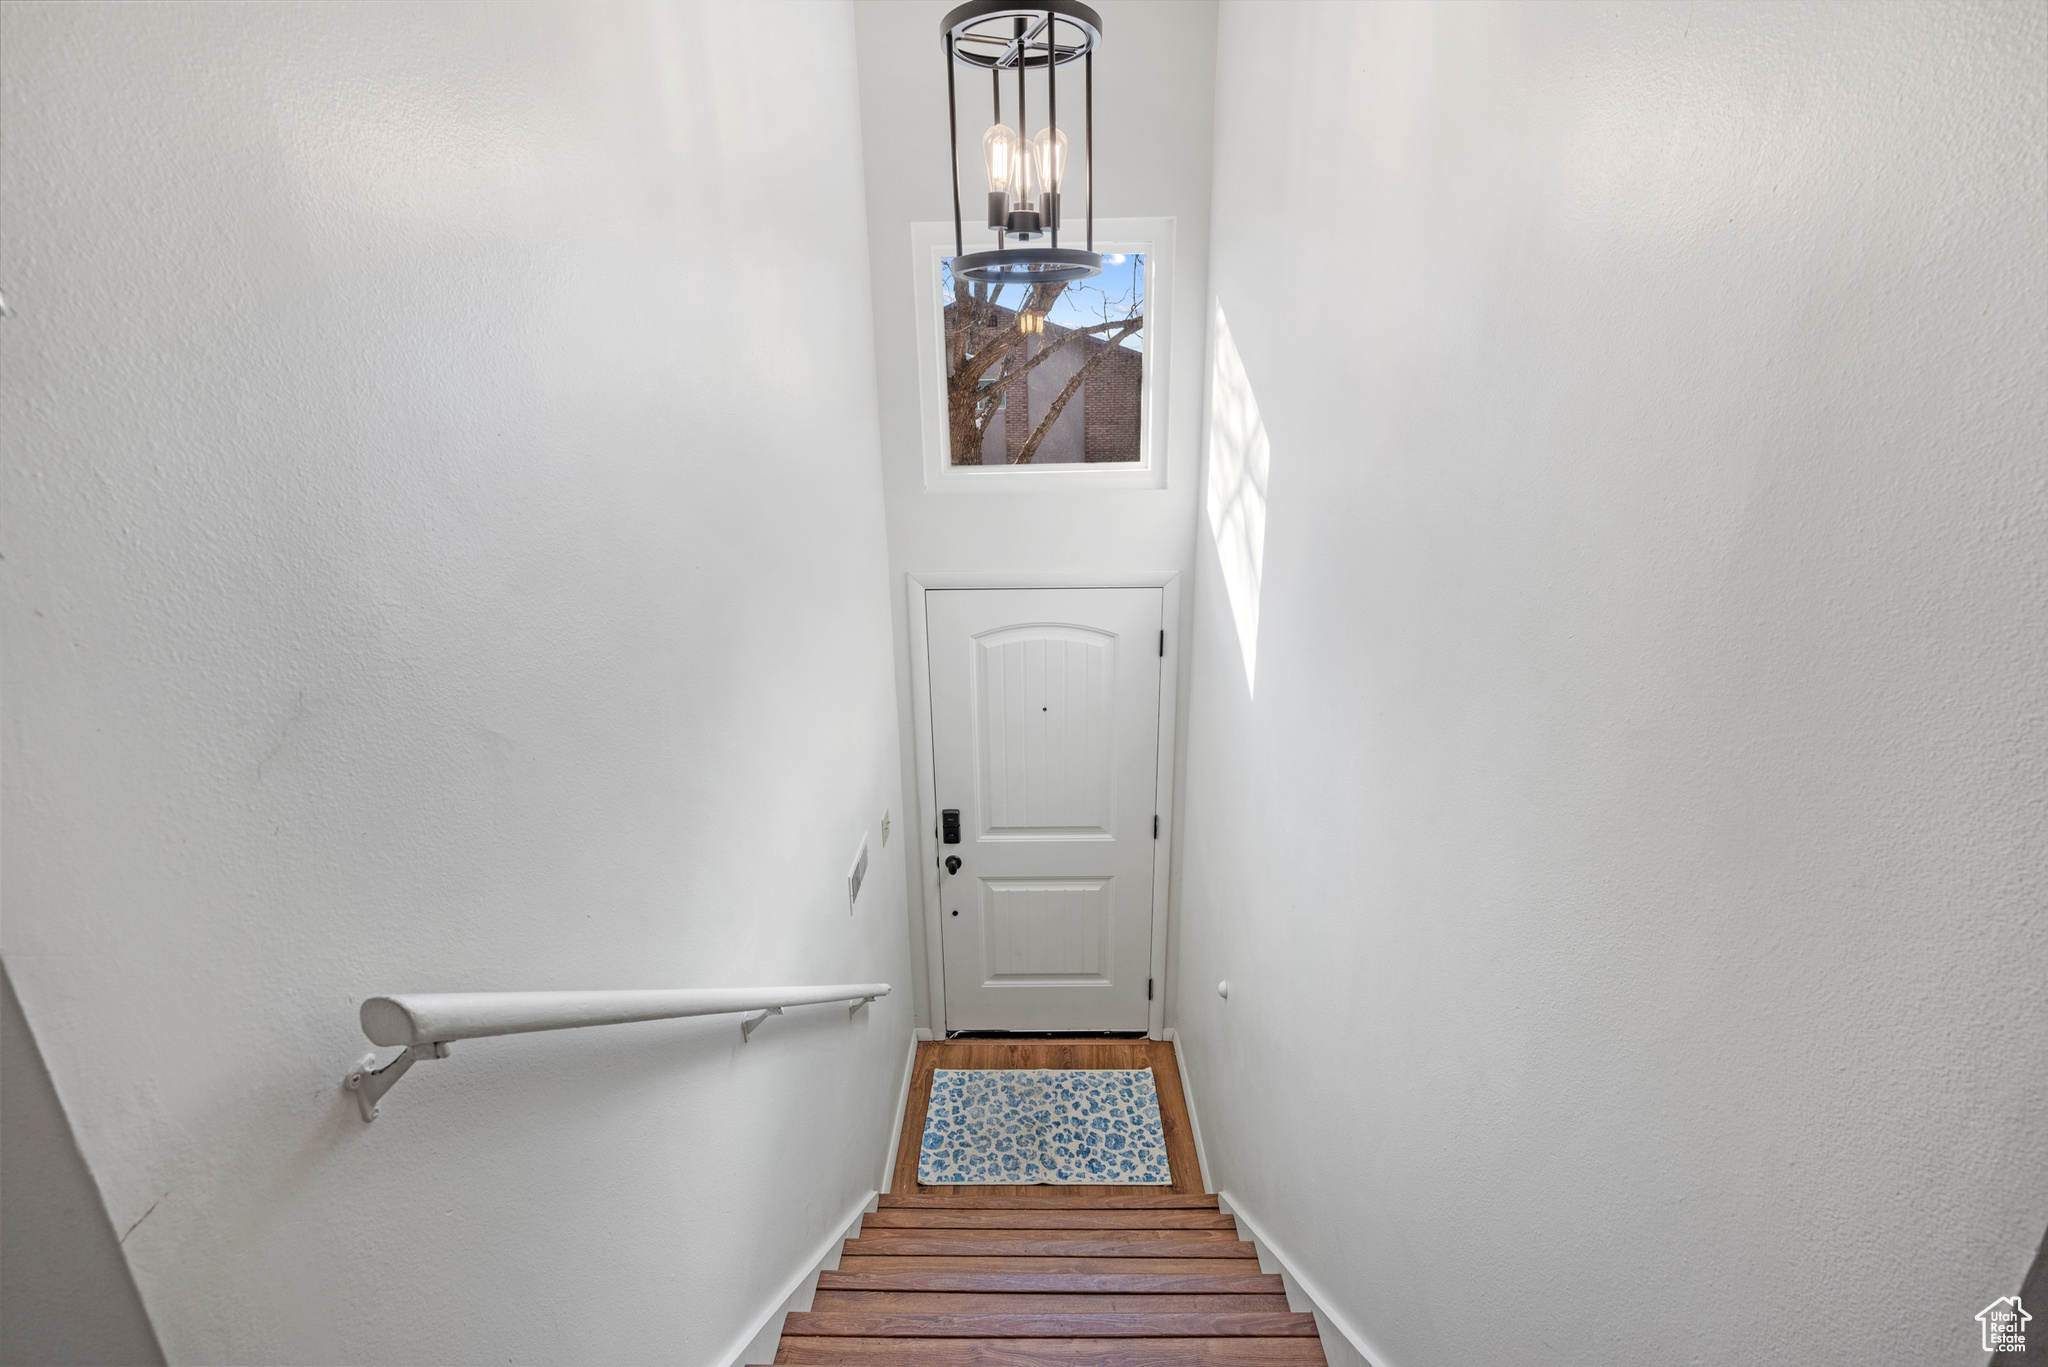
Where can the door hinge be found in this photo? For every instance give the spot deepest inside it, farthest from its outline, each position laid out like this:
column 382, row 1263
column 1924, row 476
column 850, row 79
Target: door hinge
column 1148, row 989
column 1155, row 825
column 1162, row 643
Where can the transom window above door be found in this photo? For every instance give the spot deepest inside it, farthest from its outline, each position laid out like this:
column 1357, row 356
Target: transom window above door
column 1045, row 374
column 1045, row 386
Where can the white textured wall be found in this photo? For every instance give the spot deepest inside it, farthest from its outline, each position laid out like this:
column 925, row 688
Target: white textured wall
column 444, row 550
column 1631, row 868
column 1154, row 83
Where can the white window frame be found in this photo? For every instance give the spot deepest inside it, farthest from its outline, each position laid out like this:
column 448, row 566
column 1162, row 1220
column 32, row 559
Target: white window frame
column 930, row 243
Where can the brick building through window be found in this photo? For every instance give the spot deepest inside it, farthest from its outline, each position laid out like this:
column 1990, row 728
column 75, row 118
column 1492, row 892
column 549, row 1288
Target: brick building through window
column 1100, row 422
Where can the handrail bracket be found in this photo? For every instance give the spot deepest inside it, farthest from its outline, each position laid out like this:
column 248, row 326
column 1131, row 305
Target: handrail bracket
column 369, row 1082
column 749, row 1024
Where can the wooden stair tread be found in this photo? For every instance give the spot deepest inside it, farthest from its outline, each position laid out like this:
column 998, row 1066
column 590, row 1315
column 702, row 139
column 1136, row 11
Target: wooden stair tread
column 995, row 1276
column 1079, row 1352
column 1226, row 1234
column 828, row 1300
column 1035, row 1243
column 986, row 1262
column 1042, row 1218
column 1030, row 1198
column 1100, row 1276
column 1235, row 1324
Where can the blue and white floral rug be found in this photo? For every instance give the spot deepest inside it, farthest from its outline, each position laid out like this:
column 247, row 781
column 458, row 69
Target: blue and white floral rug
column 1076, row 1127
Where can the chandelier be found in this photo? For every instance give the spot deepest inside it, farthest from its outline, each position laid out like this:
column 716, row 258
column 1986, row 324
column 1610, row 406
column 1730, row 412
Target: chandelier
column 1026, row 172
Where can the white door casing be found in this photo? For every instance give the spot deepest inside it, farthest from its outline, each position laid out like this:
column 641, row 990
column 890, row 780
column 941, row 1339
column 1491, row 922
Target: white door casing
column 1044, row 707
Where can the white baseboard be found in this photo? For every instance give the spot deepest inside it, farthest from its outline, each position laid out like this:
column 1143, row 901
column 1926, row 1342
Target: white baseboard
column 759, row 1343
column 902, row 1102
column 1343, row 1345
column 1187, row 1088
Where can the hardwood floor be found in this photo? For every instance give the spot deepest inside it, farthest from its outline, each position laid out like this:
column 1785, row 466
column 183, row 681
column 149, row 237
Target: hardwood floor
column 961, row 1276
column 1059, row 1053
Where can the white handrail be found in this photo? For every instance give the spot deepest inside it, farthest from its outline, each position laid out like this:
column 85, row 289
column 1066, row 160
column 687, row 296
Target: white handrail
column 436, row 1018
column 426, row 1023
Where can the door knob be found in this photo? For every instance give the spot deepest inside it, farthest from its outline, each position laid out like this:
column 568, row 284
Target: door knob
column 952, row 863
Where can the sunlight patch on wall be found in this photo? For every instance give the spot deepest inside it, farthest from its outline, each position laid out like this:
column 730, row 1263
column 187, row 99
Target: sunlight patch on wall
column 1238, row 461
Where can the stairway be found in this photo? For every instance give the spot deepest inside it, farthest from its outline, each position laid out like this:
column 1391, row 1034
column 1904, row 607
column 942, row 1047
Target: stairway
column 1096, row 1276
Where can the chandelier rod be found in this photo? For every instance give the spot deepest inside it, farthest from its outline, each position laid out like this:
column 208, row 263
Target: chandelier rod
column 1052, row 124
column 1023, row 119
column 953, row 136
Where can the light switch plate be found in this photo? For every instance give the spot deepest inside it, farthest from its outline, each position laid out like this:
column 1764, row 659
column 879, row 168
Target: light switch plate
column 853, row 879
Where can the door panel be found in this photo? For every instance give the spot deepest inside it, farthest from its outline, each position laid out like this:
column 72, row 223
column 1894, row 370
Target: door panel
column 1045, row 720
column 1044, row 724
column 1046, row 930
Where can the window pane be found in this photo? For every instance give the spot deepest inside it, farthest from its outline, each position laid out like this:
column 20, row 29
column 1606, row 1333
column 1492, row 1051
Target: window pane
column 1046, row 374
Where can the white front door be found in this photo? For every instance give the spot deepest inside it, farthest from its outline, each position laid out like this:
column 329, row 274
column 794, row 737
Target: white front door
column 1045, row 733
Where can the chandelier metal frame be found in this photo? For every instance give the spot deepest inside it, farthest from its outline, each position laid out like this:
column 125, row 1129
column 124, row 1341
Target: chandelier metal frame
column 997, row 36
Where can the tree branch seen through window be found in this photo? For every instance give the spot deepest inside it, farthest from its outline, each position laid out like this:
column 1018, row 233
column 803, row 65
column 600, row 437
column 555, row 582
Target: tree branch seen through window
column 1046, row 374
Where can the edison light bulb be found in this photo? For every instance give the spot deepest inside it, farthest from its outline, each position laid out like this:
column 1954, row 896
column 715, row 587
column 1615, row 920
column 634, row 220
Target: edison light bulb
column 999, row 149
column 1024, row 188
column 1049, row 152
